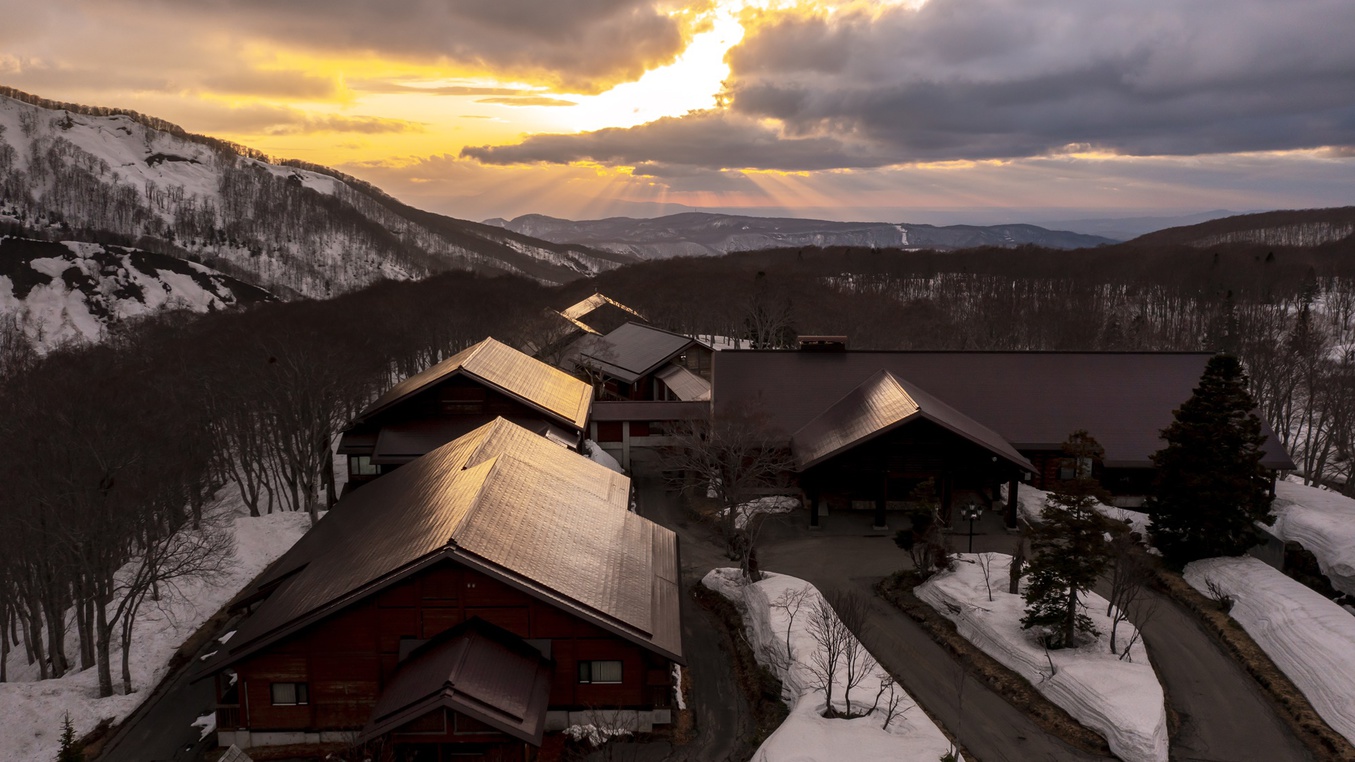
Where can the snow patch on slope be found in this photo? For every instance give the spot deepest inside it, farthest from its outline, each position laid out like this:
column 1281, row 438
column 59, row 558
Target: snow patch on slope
column 31, row 709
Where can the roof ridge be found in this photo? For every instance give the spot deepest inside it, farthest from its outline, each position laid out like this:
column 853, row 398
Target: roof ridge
column 483, row 471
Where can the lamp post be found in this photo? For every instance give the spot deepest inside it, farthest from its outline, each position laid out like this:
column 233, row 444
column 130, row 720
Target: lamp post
column 971, row 511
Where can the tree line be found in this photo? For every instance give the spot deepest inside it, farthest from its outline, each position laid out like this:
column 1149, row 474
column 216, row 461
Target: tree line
column 111, row 453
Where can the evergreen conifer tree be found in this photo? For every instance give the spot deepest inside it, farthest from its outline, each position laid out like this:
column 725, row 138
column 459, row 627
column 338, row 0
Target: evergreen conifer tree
column 1210, row 488
column 1069, row 550
column 70, row 751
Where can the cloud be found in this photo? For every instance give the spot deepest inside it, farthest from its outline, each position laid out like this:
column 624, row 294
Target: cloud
column 973, row 79
column 711, row 139
column 388, row 86
column 527, row 100
column 1005, row 79
column 367, row 125
column 273, row 84
column 582, row 44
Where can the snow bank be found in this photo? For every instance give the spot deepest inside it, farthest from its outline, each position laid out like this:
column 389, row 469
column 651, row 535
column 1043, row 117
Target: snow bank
column 1323, row 523
column 1031, row 505
column 807, row 736
column 601, row 456
column 1121, row 699
column 31, row 709
column 769, row 505
column 1311, row 639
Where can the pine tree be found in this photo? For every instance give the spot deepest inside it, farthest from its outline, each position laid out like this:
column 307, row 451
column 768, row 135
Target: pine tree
column 1210, row 488
column 1069, row 550
column 71, row 750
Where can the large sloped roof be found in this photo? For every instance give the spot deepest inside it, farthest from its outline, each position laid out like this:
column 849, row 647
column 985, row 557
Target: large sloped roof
column 1033, row 400
column 632, row 350
column 880, row 404
column 492, row 362
column 475, row 669
column 500, row 500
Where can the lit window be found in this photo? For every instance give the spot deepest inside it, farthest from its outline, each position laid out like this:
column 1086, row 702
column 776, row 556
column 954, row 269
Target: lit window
column 290, row 694
column 600, row 672
column 361, row 465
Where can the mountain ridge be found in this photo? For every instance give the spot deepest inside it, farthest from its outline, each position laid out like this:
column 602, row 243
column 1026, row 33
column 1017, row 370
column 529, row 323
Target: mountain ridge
column 713, row 234
column 291, row 227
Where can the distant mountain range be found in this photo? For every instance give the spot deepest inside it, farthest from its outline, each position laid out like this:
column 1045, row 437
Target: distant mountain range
column 1296, row 227
column 69, row 171
column 703, row 234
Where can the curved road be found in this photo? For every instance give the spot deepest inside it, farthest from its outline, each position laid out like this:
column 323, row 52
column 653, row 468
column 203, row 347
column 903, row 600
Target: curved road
column 1224, row 715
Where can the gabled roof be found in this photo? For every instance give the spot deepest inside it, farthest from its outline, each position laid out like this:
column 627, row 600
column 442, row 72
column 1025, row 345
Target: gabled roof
column 881, row 404
column 475, row 669
column 1033, row 400
column 688, row 386
column 632, row 350
column 500, row 500
column 583, row 307
column 491, row 362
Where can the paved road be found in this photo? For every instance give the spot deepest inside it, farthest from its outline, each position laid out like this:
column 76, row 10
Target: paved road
column 1224, row 714
column 161, row 729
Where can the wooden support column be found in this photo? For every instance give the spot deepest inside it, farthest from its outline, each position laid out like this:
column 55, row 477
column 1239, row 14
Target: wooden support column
column 880, row 497
column 1012, row 487
column 947, row 488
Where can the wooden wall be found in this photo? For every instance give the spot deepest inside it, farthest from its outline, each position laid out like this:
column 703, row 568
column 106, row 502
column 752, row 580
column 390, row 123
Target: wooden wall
column 346, row 659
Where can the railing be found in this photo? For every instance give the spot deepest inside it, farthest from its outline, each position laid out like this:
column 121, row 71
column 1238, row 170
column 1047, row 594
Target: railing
column 227, row 716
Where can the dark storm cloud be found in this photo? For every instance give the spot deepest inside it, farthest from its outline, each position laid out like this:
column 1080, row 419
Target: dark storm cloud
column 1002, row 79
column 707, row 139
column 581, row 43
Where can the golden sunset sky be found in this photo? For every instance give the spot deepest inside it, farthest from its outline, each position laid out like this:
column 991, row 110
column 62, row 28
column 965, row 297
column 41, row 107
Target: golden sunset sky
column 983, row 110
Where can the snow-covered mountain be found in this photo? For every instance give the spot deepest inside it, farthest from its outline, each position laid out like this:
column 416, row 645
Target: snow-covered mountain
column 64, row 291
column 68, row 171
column 703, row 234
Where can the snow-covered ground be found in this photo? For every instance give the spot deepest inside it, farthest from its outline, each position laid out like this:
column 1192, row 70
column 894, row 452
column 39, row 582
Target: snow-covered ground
column 807, row 736
column 31, row 710
column 1031, row 504
column 771, row 504
column 1323, row 522
column 1311, row 639
column 601, row 456
column 1119, row 698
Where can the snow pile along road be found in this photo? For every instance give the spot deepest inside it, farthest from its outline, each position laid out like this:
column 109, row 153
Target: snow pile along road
column 1121, row 699
column 1031, row 505
column 1323, row 523
column 806, row 735
column 31, row 710
column 1311, row 639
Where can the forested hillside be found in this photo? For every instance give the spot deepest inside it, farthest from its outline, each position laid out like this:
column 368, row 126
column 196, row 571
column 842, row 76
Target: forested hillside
column 69, row 172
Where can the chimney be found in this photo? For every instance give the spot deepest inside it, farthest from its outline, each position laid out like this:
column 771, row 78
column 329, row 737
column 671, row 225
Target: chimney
column 823, row 343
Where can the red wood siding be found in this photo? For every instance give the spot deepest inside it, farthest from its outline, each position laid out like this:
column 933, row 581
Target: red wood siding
column 347, row 658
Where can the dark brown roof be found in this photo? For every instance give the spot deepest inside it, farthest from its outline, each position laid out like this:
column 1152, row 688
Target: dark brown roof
column 632, row 350
column 503, row 501
column 880, row 404
column 475, row 669
column 498, row 365
column 1033, row 400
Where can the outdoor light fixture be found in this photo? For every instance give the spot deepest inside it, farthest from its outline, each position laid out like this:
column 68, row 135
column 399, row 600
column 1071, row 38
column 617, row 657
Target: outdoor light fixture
column 971, row 511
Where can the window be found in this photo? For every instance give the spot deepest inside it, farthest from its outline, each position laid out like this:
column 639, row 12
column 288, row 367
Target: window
column 600, row 672
column 361, row 465
column 290, row 694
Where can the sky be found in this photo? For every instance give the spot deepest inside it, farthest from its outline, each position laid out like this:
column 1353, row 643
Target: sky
column 901, row 110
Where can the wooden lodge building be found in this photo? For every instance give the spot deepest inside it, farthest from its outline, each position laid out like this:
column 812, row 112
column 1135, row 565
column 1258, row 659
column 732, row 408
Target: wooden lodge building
column 644, row 380
column 472, row 387
column 494, row 589
column 866, row 427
